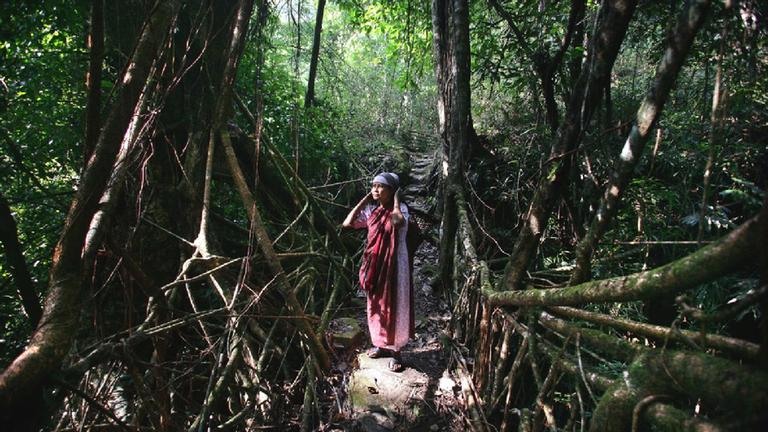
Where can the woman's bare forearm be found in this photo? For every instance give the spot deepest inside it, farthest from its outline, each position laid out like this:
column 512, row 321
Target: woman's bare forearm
column 355, row 211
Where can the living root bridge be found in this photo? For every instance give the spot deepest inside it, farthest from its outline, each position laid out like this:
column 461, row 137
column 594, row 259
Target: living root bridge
column 722, row 257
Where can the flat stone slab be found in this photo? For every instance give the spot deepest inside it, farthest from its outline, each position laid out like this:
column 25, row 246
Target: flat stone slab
column 346, row 333
column 381, row 399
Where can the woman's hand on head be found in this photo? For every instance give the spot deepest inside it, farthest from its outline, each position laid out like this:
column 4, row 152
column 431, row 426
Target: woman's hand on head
column 397, row 216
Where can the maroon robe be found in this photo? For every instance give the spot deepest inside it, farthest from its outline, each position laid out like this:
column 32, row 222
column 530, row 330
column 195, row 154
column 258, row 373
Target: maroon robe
column 378, row 275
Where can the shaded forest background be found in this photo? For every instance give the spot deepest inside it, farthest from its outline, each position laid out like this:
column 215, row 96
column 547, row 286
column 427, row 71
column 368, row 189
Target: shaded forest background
column 174, row 174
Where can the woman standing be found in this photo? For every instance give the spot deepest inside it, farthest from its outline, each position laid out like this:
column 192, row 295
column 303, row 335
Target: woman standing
column 385, row 273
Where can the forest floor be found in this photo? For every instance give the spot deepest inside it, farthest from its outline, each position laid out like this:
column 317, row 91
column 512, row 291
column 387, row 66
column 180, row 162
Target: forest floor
column 366, row 395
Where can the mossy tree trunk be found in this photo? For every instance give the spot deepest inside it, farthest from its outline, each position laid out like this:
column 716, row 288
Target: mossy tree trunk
column 736, row 392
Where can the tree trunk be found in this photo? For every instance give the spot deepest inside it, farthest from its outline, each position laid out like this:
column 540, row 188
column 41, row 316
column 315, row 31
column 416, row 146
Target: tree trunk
column 450, row 24
column 93, row 79
column 741, row 348
column 679, row 43
column 221, row 111
column 17, row 265
column 614, row 19
column 310, row 97
column 717, row 384
column 544, row 65
column 22, row 381
column 763, row 239
column 717, row 259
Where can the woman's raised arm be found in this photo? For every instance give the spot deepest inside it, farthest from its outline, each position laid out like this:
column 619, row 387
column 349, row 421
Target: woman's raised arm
column 397, row 215
column 348, row 221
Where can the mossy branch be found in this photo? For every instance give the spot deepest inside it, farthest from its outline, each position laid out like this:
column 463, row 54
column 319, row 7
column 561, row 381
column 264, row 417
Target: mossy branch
column 708, row 263
column 611, row 345
column 735, row 346
column 721, row 385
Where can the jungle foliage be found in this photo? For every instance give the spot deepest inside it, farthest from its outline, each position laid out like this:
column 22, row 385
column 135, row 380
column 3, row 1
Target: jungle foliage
column 170, row 252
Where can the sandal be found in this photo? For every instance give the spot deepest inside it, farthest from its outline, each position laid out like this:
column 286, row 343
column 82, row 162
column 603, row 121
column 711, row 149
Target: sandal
column 396, row 363
column 377, row 352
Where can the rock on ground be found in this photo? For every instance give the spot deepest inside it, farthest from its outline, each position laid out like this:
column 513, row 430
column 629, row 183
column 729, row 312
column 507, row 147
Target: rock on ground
column 379, row 398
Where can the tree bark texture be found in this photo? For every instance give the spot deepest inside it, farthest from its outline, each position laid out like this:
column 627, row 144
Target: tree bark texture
column 731, row 388
column 59, row 323
column 614, row 17
column 679, row 43
column 717, row 259
column 450, row 26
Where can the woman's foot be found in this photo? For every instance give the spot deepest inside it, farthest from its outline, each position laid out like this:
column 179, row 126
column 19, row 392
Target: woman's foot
column 396, row 362
column 377, row 352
